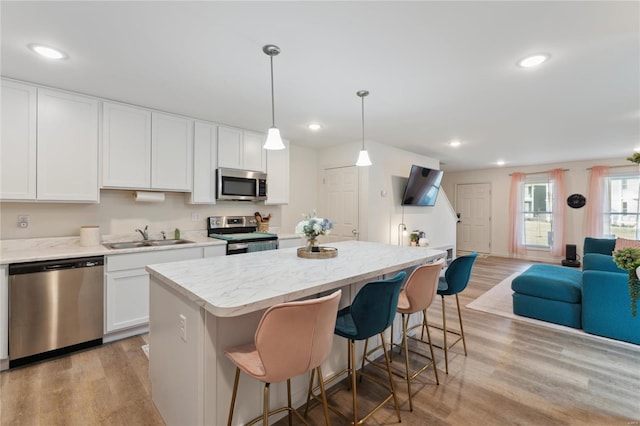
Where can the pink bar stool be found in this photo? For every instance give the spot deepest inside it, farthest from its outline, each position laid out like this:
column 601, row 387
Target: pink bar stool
column 292, row 338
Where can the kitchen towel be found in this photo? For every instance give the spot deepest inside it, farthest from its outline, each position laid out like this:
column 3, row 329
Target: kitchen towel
column 149, row 197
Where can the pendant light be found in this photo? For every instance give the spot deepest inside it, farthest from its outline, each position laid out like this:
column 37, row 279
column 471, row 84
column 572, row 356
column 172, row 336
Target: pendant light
column 274, row 141
column 363, row 156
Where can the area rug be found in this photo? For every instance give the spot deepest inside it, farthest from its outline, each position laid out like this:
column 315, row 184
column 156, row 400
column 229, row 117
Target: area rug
column 498, row 301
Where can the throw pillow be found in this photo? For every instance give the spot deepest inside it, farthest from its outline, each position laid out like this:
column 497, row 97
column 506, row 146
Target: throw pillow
column 624, row 243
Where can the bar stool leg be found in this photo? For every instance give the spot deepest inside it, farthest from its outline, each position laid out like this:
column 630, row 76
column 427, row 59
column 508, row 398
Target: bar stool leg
column 265, row 405
column 444, row 330
column 352, row 363
column 306, row 409
column 425, row 324
column 393, row 388
column 289, row 402
column 233, row 396
column 325, row 403
column 461, row 329
column 405, row 345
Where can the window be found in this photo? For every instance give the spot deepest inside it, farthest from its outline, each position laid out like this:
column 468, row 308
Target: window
column 621, row 214
column 538, row 212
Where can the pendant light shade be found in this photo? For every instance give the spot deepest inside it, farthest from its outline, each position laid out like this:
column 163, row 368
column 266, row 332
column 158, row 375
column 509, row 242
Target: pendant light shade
column 274, row 140
column 363, row 159
column 363, row 156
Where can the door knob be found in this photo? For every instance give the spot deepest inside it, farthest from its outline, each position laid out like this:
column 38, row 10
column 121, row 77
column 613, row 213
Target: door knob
column 355, row 232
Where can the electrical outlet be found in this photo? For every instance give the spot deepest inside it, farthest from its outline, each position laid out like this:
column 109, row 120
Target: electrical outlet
column 183, row 327
column 195, row 217
column 23, row 221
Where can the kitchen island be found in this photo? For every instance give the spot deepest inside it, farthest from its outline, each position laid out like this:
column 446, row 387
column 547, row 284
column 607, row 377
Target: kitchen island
column 198, row 308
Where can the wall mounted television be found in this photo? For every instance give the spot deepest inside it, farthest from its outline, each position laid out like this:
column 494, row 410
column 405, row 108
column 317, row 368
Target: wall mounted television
column 422, row 187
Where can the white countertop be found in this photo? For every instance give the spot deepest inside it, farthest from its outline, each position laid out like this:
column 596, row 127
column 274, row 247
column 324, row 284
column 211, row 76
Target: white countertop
column 36, row 249
column 235, row 285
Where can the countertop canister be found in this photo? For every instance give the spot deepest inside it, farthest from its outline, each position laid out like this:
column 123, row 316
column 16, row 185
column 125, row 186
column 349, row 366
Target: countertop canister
column 90, row 236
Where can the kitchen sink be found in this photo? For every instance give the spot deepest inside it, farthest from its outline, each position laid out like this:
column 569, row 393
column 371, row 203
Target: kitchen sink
column 168, row 242
column 147, row 243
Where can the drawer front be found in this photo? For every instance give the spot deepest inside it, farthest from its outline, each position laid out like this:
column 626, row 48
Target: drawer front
column 120, row 262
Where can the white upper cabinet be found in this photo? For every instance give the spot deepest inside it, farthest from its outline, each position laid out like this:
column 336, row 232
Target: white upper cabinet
column 278, row 175
column 126, row 146
column 49, row 146
column 230, row 147
column 205, row 159
column 67, row 153
column 144, row 149
column 255, row 157
column 171, row 152
column 241, row 149
column 18, row 142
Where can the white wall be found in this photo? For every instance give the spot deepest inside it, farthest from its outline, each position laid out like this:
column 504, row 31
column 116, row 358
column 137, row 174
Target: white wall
column 577, row 181
column 118, row 213
column 303, row 187
column 381, row 214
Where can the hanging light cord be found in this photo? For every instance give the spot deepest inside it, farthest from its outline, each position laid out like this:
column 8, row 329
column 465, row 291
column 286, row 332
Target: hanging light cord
column 362, row 122
column 273, row 104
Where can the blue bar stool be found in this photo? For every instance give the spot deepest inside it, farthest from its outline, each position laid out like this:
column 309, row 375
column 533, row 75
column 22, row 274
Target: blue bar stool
column 455, row 279
column 371, row 312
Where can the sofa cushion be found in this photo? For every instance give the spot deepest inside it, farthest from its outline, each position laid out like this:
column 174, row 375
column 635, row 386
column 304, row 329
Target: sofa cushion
column 599, row 245
column 606, row 307
column 563, row 313
column 550, row 282
column 600, row 262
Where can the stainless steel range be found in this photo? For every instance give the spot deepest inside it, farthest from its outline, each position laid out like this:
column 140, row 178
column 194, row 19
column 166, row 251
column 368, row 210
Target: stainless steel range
column 240, row 233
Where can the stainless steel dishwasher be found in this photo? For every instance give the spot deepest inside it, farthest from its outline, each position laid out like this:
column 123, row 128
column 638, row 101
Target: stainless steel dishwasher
column 54, row 307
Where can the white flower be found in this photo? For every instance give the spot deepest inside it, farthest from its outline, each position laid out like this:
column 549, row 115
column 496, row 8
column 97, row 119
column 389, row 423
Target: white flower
column 311, row 227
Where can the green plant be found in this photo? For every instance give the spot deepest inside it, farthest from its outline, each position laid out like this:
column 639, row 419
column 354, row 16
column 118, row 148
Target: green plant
column 635, row 158
column 629, row 259
column 415, row 236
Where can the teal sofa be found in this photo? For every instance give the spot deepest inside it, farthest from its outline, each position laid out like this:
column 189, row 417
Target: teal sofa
column 606, row 305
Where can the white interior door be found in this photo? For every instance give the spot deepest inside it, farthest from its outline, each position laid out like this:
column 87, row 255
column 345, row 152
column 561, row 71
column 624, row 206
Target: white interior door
column 341, row 202
column 473, row 204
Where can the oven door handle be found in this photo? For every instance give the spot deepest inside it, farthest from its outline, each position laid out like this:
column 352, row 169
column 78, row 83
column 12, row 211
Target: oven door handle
column 237, row 246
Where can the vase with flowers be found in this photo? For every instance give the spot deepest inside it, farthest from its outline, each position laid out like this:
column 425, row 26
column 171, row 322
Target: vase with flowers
column 311, row 227
column 628, row 258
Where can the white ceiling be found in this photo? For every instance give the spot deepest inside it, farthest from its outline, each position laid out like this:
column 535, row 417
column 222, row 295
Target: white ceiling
column 436, row 71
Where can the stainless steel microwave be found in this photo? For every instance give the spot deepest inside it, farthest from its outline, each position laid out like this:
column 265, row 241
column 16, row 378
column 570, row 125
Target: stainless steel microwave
column 241, row 185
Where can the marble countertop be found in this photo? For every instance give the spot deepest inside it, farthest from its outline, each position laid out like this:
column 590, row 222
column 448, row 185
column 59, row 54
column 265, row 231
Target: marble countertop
column 235, row 285
column 36, row 249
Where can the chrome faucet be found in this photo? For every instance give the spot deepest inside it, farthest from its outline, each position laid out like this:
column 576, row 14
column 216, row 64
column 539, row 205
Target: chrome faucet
column 145, row 233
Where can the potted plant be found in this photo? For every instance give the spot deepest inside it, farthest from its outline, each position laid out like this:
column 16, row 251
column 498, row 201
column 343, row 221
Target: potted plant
column 414, row 237
column 628, row 258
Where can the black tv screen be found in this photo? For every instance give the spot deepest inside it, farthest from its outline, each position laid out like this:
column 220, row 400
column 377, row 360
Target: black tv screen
column 422, row 187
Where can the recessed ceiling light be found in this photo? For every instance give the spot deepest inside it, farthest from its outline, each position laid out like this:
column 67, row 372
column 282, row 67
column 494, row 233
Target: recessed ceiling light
column 455, row 143
column 533, row 60
column 47, row 52
column 314, row 126
column 500, row 162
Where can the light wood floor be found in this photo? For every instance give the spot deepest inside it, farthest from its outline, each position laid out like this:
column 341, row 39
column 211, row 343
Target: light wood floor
column 515, row 373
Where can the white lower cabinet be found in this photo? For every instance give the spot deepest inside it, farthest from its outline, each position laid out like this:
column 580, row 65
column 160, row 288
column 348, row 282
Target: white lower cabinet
column 127, row 286
column 127, row 299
